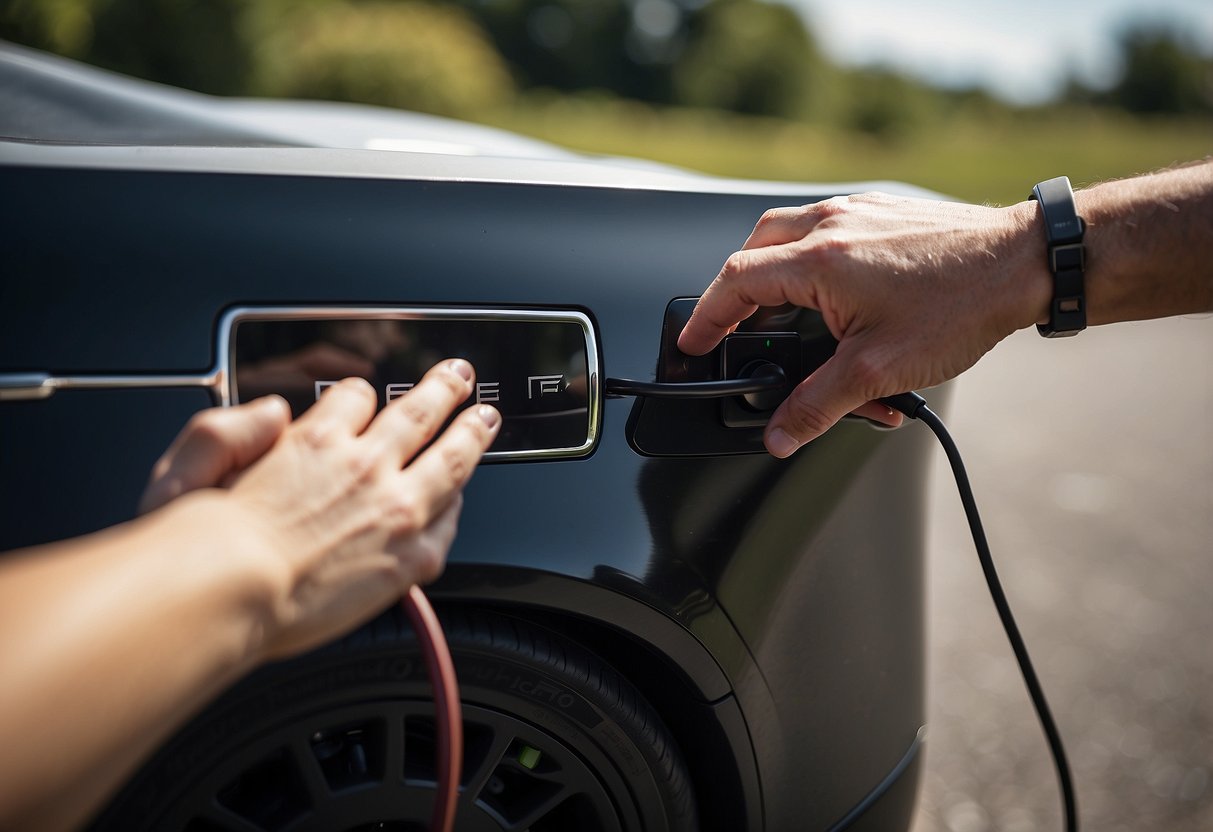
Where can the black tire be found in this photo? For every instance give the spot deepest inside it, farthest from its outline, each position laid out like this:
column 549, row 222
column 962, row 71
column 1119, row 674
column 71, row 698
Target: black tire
column 341, row 740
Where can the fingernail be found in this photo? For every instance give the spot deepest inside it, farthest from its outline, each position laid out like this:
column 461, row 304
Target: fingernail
column 461, row 368
column 781, row 444
column 489, row 416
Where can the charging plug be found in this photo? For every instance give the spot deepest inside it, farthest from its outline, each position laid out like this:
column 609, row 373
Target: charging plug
column 754, row 355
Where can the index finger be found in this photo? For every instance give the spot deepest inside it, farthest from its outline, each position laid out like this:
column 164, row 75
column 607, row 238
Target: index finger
column 749, row 279
column 777, row 226
column 408, row 423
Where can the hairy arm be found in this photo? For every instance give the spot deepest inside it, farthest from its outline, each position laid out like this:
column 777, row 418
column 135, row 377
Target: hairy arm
column 1149, row 245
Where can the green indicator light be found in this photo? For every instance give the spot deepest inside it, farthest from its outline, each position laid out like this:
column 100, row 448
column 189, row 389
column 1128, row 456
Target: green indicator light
column 767, row 343
column 529, row 757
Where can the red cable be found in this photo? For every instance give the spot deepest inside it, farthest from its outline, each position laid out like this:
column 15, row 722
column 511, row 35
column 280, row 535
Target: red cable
column 447, row 717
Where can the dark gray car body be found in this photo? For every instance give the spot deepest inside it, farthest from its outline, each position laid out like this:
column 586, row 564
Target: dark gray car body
column 776, row 606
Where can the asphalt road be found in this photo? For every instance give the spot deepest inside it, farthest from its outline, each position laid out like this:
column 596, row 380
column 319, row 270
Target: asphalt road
column 1092, row 462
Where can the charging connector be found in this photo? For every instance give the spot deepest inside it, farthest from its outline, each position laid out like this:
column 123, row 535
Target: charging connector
column 749, row 354
column 757, row 372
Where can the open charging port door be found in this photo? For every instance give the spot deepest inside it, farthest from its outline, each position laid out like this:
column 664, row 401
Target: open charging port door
column 788, row 340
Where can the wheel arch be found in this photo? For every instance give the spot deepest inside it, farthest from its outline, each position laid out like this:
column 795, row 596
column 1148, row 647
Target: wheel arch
column 668, row 664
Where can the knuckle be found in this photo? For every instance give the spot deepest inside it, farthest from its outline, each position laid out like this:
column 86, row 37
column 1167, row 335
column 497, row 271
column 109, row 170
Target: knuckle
column 771, row 216
column 456, row 464
column 733, row 268
column 361, row 464
column 313, row 437
column 403, row 512
column 804, row 418
column 834, row 206
column 870, row 198
column 475, row 424
column 416, row 413
column 867, row 371
column 826, row 251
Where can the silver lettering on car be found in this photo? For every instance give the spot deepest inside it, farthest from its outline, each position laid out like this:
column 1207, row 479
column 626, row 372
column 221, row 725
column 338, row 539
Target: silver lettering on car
column 486, row 391
column 543, row 385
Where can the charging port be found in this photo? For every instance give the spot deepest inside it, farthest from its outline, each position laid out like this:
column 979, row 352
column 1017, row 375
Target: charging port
column 751, row 354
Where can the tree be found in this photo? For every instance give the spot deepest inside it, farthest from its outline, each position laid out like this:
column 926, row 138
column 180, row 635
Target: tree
column 748, row 57
column 197, row 45
column 1163, row 73
column 415, row 56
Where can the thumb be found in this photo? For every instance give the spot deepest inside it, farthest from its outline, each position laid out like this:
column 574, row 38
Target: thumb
column 814, row 407
column 214, row 445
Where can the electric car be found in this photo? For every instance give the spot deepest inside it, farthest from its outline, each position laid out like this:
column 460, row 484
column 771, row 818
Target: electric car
column 656, row 625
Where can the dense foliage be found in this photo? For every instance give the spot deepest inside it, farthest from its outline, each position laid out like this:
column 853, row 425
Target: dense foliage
column 467, row 57
column 734, row 87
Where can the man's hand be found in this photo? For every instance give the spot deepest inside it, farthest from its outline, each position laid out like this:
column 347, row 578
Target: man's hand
column 915, row 291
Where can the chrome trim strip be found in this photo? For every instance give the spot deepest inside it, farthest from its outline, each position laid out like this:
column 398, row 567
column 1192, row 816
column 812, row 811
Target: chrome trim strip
column 28, row 386
column 25, row 386
column 221, row 381
column 233, row 317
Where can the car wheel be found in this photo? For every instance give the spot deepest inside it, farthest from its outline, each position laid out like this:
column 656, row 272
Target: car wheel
column 343, row 739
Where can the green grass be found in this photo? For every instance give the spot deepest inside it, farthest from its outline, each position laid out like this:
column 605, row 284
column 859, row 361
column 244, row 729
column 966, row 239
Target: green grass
column 994, row 159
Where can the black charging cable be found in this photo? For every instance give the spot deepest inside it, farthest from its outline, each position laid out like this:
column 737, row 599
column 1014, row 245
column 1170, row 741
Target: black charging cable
column 914, row 406
column 768, row 379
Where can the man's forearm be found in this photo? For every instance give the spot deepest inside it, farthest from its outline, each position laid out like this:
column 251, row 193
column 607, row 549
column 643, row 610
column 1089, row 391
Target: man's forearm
column 1149, row 245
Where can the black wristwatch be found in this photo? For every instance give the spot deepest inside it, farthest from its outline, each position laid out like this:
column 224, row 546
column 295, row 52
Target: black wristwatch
column 1063, row 231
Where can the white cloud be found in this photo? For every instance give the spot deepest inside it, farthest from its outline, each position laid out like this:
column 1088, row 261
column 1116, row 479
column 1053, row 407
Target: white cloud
column 1023, row 50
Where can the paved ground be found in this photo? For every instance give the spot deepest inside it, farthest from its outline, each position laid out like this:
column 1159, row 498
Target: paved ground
column 1092, row 460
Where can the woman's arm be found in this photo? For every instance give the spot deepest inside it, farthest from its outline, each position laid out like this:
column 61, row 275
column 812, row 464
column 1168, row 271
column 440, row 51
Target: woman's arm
column 110, row 642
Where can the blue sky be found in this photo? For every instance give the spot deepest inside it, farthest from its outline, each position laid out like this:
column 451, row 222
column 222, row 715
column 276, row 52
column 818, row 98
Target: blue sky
column 1023, row 50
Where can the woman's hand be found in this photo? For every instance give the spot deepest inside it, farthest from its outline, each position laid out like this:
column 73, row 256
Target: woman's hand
column 214, row 448
column 262, row 538
column 343, row 509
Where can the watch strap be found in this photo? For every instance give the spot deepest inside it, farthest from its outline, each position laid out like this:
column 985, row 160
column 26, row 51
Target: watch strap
column 1064, row 231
